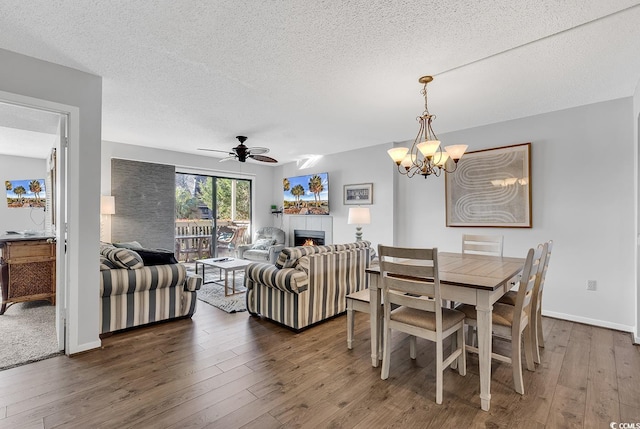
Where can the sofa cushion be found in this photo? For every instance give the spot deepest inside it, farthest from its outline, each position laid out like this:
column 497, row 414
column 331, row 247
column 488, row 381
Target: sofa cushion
column 123, row 258
column 289, row 256
column 349, row 246
column 129, row 245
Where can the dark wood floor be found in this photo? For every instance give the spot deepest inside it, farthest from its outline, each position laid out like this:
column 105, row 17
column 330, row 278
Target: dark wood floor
column 231, row 370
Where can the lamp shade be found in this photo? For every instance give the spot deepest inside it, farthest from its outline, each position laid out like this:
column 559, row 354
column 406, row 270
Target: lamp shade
column 107, row 204
column 359, row 216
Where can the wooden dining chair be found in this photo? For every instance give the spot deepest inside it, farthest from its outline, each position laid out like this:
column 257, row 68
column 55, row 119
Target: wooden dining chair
column 514, row 322
column 412, row 286
column 360, row 301
column 482, row 244
column 476, row 244
column 536, row 319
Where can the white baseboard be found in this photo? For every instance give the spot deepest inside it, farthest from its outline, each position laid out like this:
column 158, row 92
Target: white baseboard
column 589, row 321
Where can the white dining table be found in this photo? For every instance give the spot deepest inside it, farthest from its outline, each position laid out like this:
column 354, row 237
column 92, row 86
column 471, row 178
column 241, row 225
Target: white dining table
column 477, row 280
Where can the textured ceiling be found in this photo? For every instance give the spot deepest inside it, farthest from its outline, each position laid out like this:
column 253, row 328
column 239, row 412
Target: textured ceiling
column 319, row 77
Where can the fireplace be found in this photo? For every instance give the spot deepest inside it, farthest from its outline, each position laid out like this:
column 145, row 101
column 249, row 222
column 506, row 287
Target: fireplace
column 305, row 237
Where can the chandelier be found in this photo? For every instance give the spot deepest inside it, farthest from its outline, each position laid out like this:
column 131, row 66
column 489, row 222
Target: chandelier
column 425, row 157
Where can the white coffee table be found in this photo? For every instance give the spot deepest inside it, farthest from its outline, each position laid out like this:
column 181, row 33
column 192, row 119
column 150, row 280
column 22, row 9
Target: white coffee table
column 226, row 265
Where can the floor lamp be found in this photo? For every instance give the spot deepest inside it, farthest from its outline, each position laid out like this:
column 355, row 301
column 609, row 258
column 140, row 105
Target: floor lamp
column 359, row 216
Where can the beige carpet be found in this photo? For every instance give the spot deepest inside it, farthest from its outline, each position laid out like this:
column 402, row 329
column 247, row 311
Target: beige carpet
column 27, row 333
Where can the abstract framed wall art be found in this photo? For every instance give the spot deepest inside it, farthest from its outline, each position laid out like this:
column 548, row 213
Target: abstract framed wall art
column 491, row 188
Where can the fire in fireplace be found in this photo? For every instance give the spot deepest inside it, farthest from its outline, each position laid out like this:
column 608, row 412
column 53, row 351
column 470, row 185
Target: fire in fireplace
column 304, row 237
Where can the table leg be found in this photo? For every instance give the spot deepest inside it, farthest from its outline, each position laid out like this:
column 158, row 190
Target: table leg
column 483, row 318
column 374, row 317
column 226, row 282
column 233, row 286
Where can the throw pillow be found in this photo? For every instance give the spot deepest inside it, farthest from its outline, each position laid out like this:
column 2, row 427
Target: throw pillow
column 106, row 264
column 156, row 257
column 123, row 258
column 134, row 245
column 263, row 243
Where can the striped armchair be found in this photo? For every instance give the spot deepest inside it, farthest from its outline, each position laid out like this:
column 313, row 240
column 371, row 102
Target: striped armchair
column 138, row 295
column 307, row 284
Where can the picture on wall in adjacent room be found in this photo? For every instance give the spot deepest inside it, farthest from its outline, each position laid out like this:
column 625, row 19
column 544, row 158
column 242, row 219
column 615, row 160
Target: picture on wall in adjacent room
column 25, row 193
column 306, row 195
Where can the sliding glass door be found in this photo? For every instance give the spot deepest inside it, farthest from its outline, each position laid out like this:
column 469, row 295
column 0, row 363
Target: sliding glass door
column 213, row 216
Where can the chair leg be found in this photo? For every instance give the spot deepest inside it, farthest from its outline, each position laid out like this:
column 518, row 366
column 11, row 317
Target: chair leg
column 516, row 363
column 534, row 338
column 528, row 348
column 386, row 353
column 471, row 330
column 462, row 360
column 380, row 339
column 412, row 346
column 350, row 326
column 539, row 328
column 439, row 371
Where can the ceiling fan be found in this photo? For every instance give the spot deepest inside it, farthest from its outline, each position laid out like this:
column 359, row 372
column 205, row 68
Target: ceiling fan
column 242, row 152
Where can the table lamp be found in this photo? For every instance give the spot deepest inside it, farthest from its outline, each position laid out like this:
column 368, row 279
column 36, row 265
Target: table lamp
column 359, row 216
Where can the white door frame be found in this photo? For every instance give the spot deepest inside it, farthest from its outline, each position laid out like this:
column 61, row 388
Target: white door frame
column 71, row 130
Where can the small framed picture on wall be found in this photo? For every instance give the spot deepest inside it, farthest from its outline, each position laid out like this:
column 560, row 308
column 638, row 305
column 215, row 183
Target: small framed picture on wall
column 361, row 193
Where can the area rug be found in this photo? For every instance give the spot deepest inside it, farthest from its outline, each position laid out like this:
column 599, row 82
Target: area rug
column 213, row 293
column 27, row 334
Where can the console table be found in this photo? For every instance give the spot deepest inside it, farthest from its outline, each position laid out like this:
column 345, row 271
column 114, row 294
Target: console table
column 27, row 269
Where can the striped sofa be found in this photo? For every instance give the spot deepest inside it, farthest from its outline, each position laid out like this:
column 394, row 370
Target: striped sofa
column 139, row 294
column 307, row 284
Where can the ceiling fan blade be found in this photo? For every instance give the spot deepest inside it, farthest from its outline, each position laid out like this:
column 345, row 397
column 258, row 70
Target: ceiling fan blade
column 229, row 158
column 263, row 158
column 215, row 150
column 258, row 150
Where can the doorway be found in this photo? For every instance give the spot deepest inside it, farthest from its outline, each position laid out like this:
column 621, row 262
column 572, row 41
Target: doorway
column 33, row 145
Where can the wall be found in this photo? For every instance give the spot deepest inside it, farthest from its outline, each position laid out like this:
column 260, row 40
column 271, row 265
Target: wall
column 19, row 168
column 636, row 139
column 80, row 94
column 145, row 193
column 370, row 165
column 582, row 171
column 197, row 164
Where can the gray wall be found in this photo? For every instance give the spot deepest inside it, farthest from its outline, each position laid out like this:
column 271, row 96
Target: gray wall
column 145, row 203
column 583, row 198
column 52, row 83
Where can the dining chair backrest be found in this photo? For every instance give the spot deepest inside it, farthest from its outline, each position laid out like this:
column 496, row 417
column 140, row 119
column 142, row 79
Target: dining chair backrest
column 536, row 313
column 482, row 244
column 542, row 274
column 408, row 276
column 524, row 300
